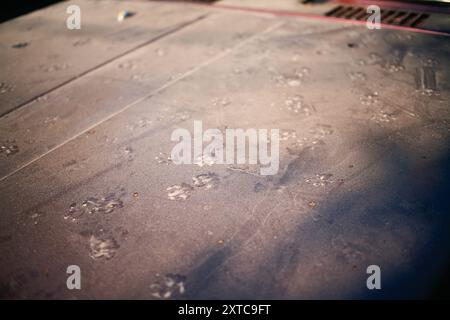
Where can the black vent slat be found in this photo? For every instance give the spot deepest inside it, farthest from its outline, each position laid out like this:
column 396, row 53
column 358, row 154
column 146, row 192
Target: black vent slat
column 352, row 13
column 357, row 13
column 398, row 20
column 344, row 12
column 334, row 11
column 388, row 16
column 347, row 13
column 363, row 15
column 408, row 18
column 419, row 20
column 395, row 17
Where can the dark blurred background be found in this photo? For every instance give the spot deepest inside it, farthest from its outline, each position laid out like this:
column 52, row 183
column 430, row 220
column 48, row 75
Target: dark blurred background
column 12, row 9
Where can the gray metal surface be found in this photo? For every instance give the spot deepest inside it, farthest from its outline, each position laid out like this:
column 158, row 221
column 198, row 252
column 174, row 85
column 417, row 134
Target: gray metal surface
column 55, row 55
column 364, row 116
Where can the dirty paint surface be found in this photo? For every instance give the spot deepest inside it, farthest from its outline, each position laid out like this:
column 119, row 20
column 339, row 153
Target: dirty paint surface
column 86, row 176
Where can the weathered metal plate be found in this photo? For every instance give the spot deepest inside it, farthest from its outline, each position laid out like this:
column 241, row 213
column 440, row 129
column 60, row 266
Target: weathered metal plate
column 363, row 176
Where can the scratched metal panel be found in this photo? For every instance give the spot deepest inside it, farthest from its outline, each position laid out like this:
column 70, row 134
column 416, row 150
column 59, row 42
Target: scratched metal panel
column 54, row 54
column 74, row 108
column 363, row 178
